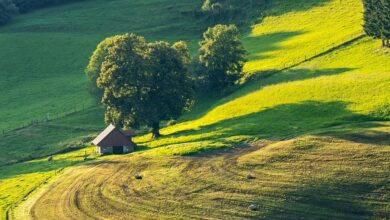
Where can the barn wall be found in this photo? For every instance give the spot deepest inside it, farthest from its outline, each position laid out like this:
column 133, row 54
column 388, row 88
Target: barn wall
column 115, row 138
column 105, row 150
column 127, row 149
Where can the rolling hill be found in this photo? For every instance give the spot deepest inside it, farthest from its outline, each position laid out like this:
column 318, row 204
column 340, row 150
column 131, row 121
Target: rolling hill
column 310, row 123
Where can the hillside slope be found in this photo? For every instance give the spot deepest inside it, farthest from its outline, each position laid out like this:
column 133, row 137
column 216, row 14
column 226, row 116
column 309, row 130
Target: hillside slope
column 43, row 54
column 314, row 129
column 54, row 45
column 306, row 29
column 310, row 177
column 343, row 87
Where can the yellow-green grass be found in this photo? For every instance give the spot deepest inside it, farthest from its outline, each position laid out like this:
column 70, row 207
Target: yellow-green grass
column 43, row 53
column 311, row 177
column 348, row 85
column 52, row 45
column 19, row 180
column 335, row 92
column 306, row 29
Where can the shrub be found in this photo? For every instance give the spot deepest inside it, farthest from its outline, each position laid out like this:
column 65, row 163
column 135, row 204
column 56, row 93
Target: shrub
column 7, row 11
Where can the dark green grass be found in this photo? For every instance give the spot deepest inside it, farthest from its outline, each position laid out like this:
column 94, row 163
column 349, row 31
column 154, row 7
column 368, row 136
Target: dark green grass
column 43, row 54
column 51, row 137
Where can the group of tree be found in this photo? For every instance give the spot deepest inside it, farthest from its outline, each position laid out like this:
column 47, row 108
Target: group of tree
column 377, row 20
column 10, row 8
column 142, row 83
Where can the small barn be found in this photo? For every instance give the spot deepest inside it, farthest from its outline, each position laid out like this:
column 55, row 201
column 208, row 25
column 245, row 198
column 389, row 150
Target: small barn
column 114, row 141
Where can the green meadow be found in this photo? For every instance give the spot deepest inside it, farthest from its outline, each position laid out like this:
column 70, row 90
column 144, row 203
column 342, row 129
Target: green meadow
column 43, row 54
column 321, row 93
column 311, row 118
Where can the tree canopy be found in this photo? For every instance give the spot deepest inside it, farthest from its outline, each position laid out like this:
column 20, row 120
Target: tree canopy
column 95, row 64
column 144, row 83
column 377, row 19
column 223, row 55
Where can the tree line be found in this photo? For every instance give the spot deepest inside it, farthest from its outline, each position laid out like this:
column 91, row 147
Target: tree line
column 377, row 20
column 142, row 83
column 11, row 8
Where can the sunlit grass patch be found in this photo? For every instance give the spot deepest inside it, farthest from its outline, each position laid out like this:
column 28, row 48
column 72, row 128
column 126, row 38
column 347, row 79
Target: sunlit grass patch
column 318, row 176
column 19, row 180
column 281, row 40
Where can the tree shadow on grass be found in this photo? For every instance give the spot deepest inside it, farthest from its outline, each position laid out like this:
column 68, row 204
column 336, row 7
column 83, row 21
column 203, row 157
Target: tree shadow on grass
column 363, row 134
column 319, row 200
column 258, row 46
column 276, row 123
column 282, row 77
column 280, row 7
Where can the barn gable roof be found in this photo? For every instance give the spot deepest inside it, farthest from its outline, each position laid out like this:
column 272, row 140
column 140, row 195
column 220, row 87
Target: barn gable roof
column 111, row 136
column 103, row 134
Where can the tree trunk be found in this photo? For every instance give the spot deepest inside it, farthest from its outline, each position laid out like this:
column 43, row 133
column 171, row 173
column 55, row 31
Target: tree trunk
column 156, row 130
column 388, row 43
column 383, row 43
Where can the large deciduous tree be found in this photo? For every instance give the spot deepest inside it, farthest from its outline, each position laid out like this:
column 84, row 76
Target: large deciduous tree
column 377, row 20
column 144, row 83
column 223, row 55
column 385, row 21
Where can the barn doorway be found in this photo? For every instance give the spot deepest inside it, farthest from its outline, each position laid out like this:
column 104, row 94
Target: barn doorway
column 117, row 150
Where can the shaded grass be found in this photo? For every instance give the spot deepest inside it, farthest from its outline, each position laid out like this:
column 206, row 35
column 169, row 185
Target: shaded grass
column 43, row 53
column 50, row 137
column 53, row 45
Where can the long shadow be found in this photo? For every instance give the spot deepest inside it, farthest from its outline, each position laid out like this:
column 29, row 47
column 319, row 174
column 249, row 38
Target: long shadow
column 363, row 134
column 314, row 200
column 281, row 77
column 279, row 122
column 258, row 46
column 277, row 8
column 280, row 7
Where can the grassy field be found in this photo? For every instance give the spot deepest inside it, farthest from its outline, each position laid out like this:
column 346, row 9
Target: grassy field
column 315, row 177
column 282, row 41
column 53, row 45
column 319, row 145
column 19, row 180
column 50, row 137
column 43, row 54
column 346, row 86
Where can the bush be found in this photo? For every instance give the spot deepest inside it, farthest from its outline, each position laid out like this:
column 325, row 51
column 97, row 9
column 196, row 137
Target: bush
column 226, row 11
column 7, row 11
